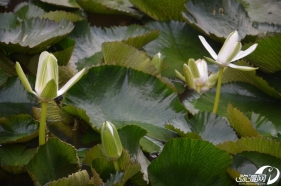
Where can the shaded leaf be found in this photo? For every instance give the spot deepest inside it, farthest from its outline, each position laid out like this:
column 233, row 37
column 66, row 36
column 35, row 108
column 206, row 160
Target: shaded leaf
column 7, row 66
column 241, row 124
column 20, row 128
column 161, row 9
column 218, row 18
column 53, row 160
column 125, row 96
column 3, row 77
column 43, row 33
column 195, row 162
column 15, row 157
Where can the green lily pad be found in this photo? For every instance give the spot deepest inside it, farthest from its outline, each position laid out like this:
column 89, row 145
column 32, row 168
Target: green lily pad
column 53, row 160
column 3, row 77
column 89, row 40
column 232, row 75
column 14, row 99
column 244, row 97
column 65, row 3
column 177, row 42
column 15, row 157
column 8, row 20
column 77, row 178
column 212, row 128
column 34, row 35
column 109, row 7
column 7, row 66
column 57, row 16
column 267, row 55
column 161, row 9
column 125, row 96
column 25, row 11
column 218, row 19
column 195, row 162
column 19, row 128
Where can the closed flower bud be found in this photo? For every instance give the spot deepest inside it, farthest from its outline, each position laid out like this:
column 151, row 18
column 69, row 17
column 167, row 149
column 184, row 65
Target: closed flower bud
column 111, row 143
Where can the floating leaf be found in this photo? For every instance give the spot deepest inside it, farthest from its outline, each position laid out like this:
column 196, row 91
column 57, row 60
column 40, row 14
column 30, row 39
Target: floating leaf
column 89, row 40
column 212, row 128
column 244, row 97
column 34, row 35
column 19, row 128
column 8, row 20
column 231, row 74
column 195, row 162
column 57, row 16
column 77, row 178
column 7, row 65
column 241, row 124
column 3, row 77
column 177, row 43
column 25, row 11
column 53, row 160
column 267, row 54
column 218, row 18
column 14, row 99
column 118, row 53
column 125, row 96
column 15, row 157
column 261, row 145
column 65, row 3
column 109, row 7
column 161, row 9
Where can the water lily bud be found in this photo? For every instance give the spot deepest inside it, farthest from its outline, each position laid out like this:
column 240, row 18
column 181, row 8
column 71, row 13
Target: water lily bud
column 157, row 60
column 112, row 146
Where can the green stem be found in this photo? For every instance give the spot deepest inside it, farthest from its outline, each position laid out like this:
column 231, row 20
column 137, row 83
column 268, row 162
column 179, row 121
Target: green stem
column 198, row 89
column 218, row 91
column 42, row 128
column 116, row 165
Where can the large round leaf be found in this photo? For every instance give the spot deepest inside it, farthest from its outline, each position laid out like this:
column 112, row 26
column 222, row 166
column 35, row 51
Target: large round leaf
column 65, row 3
column 218, row 18
column 124, row 96
column 54, row 160
column 19, row 128
column 34, row 35
column 195, row 162
column 177, row 42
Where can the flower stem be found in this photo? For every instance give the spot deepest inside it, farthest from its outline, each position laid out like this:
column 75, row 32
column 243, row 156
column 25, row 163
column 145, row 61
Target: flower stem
column 42, row 127
column 218, row 91
column 198, row 89
column 116, row 165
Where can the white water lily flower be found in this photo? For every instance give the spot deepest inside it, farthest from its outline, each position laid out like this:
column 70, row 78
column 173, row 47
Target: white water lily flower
column 46, row 84
column 196, row 75
column 230, row 51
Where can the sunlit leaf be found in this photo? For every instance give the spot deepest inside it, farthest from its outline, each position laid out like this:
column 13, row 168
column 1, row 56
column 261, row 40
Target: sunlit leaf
column 19, row 128
column 195, row 162
column 241, row 124
column 218, row 19
column 161, row 9
column 15, row 157
column 177, row 43
column 65, row 3
column 34, row 35
column 25, row 11
column 57, row 16
column 125, row 96
column 53, row 160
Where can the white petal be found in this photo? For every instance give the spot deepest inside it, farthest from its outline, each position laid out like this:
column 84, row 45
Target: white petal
column 242, row 54
column 228, row 47
column 71, row 82
column 208, row 47
column 243, row 68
